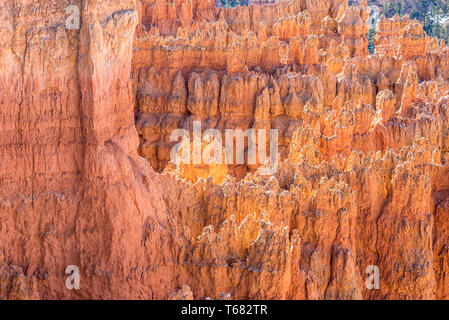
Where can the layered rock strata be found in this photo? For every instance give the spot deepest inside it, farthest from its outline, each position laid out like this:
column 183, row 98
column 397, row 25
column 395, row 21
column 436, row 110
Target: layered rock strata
column 85, row 178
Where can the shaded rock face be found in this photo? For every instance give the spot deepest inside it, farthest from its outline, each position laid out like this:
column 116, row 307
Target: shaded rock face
column 85, row 115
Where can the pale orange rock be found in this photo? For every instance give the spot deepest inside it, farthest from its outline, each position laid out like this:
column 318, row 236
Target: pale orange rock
column 185, row 293
column 86, row 177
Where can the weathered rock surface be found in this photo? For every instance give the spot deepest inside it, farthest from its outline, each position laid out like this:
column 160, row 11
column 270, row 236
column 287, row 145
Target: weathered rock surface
column 363, row 177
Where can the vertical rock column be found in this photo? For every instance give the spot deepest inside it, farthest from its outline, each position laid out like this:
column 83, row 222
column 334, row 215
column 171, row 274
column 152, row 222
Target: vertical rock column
column 118, row 198
column 40, row 148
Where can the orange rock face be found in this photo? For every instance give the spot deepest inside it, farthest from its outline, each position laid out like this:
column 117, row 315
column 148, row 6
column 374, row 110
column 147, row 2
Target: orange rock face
column 87, row 178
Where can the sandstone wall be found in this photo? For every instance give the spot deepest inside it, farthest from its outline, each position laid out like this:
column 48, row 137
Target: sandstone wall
column 364, row 146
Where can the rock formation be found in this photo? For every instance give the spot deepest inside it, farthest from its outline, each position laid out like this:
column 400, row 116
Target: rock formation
column 86, row 177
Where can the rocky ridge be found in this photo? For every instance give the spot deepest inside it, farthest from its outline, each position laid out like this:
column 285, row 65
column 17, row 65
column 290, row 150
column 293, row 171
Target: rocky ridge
column 364, row 143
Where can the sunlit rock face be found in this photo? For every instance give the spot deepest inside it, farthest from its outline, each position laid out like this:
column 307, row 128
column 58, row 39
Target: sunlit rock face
column 87, row 178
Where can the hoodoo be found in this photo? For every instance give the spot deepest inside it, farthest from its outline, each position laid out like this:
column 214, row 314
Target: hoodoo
column 87, row 179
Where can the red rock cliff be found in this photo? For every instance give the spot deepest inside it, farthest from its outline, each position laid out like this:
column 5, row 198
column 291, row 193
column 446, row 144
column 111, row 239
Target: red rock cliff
column 363, row 178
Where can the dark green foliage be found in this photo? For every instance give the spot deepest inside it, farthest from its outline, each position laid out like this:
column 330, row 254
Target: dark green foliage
column 393, row 7
column 371, row 34
column 233, row 3
column 429, row 12
column 433, row 23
